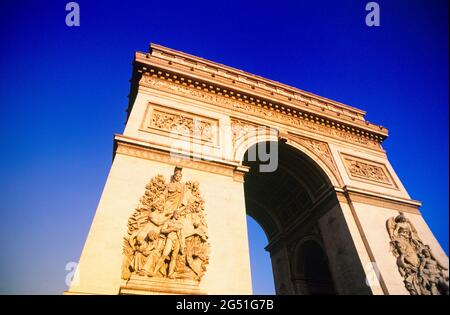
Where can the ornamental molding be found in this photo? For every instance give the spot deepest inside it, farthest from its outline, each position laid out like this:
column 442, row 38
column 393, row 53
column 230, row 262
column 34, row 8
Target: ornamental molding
column 173, row 59
column 233, row 170
column 178, row 123
column 379, row 200
column 368, row 171
column 283, row 115
column 319, row 148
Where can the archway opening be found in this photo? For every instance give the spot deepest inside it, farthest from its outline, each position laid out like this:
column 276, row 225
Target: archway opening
column 261, row 267
column 287, row 203
column 310, row 272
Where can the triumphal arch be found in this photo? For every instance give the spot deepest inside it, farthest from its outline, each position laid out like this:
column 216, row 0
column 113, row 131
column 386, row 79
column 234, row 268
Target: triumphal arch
column 206, row 144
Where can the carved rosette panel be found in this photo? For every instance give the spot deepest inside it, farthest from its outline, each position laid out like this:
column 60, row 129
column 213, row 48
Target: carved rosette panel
column 370, row 171
column 182, row 124
column 422, row 273
column 167, row 233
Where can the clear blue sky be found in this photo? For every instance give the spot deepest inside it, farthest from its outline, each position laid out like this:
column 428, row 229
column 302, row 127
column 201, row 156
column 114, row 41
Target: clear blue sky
column 64, row 93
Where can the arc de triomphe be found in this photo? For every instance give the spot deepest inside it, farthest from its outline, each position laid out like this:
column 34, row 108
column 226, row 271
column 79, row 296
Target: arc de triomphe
column 204, row 145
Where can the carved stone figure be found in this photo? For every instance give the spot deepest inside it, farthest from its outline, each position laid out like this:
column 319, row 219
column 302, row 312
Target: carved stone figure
column 431, row 274
column 167, row 233
column 175, row 193
column 422, row 273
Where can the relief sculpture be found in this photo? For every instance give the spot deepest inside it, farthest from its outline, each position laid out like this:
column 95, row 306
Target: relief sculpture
column 167, row 233
column 423, row 274
column 184, row 125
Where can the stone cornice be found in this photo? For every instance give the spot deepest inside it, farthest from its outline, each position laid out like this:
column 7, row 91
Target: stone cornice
column 161, row 80
column 380, row 200
column 221, row 70
column 354, row 127
column 253, row 89
column 141, row 149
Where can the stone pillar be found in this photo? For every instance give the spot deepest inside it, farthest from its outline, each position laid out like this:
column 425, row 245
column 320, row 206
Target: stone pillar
column 372, row 214
column 228, row 270
column 345, row 250
column 281, row 269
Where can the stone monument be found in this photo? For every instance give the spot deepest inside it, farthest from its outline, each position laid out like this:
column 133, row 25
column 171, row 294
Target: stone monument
column 189, row 167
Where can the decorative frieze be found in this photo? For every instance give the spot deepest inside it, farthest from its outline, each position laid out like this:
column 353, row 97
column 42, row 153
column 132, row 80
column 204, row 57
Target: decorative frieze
column 245, row 105
column 181, row 123
column 361, row 169
column 161, row 54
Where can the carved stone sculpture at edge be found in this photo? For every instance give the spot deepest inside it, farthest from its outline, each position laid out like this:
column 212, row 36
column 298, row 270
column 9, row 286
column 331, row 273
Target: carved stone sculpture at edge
column 422, row 273
column 167, row 233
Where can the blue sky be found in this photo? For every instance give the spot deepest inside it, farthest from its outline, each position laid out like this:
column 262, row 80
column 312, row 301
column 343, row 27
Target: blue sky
column 64, row 93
